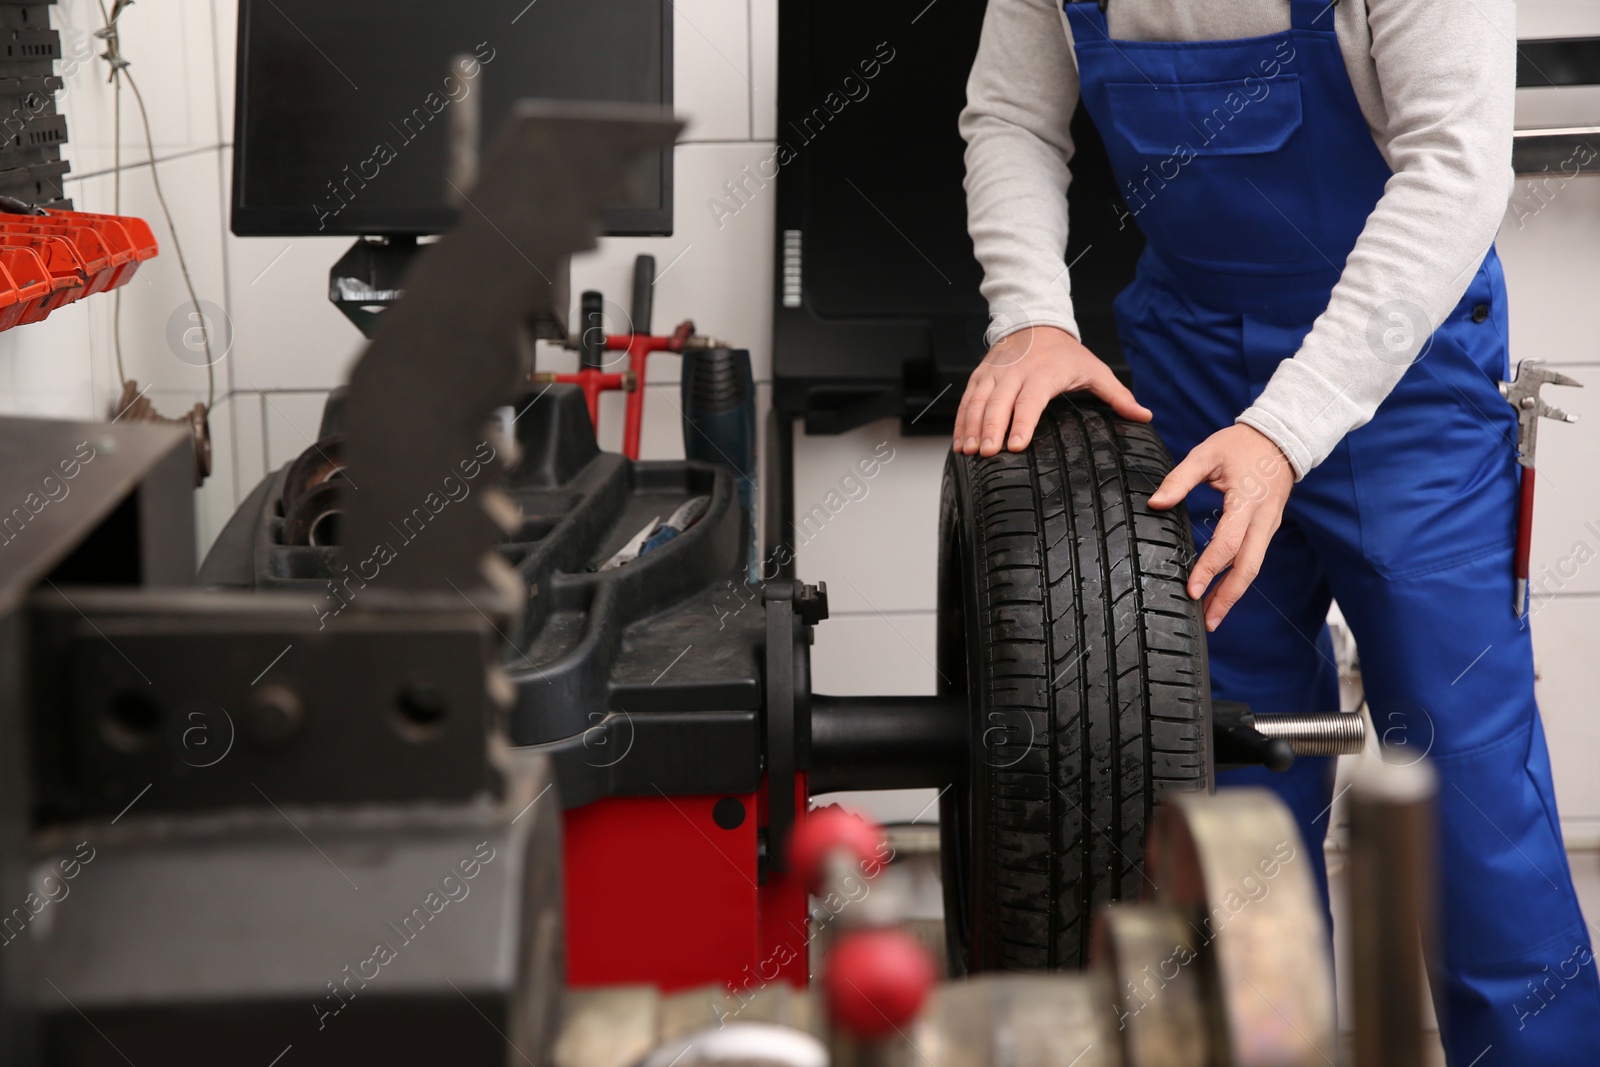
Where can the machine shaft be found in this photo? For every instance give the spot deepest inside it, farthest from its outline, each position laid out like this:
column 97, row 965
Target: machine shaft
column 1391, row 905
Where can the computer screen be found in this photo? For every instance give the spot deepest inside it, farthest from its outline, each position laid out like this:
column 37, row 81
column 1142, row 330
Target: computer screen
column 877, row 289
column 343, row 107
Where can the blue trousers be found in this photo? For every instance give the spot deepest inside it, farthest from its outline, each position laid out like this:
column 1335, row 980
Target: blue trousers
column 1409, row 525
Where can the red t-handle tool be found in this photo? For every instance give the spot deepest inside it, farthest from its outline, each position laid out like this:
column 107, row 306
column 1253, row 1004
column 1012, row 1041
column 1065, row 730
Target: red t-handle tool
column 1522, row 392
column 591, row 340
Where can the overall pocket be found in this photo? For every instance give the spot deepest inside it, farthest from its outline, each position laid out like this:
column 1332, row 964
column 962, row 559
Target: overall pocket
column 1215, row 171
column 1435, row 470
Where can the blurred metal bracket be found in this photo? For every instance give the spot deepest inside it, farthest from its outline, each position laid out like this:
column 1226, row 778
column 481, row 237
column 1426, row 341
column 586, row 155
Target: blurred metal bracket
column 453, row 350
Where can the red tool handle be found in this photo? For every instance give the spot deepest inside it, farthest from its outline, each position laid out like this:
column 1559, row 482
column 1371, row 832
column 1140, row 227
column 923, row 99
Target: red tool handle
column 876, row 982
column 633, row 416
column 1525, row 524
column 829, row 829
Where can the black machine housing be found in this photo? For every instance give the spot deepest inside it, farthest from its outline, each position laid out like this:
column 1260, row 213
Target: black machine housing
column 673, row 659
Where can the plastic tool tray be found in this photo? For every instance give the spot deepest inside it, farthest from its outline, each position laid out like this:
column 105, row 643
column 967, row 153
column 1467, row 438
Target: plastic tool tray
column 47, row 261
column 668, row 648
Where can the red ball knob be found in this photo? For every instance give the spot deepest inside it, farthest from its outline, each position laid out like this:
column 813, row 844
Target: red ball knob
column 826, row 830
column 877, row 981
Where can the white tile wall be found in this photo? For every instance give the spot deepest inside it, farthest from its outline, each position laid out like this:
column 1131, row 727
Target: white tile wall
column 1549, row 106
column 661, row 435
column 288, row 335
column 870, row 653
column 159, row 347
column 711, row 69
column 45, row 368
column 878, row 549
column 225, row 31
column 764, row 68
column 718, row 273
column 1548, row 243
column 249, row 440
column 292, row 420
column 1557, row 18
column 174, row 62
column 877, row 654
column 289, row 346
column 215, row 507
column 1569, row 676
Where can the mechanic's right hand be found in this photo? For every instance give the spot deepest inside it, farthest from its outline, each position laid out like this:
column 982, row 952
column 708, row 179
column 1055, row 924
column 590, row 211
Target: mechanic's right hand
column 1023, row 373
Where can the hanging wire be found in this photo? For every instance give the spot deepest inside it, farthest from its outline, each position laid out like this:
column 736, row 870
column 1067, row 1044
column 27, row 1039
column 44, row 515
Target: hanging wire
column 113, row 57
column 120, row 71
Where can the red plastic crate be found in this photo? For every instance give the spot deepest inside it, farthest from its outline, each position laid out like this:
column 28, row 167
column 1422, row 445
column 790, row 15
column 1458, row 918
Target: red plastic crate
column 121, row 231
column 50, row 260
column 23, row 280
column 69, row 277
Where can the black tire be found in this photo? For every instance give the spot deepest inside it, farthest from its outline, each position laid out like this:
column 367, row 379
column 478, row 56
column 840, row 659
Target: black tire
column 1063, row 617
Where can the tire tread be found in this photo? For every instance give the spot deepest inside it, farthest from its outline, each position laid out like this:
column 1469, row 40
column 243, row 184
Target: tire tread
column 1089, row 636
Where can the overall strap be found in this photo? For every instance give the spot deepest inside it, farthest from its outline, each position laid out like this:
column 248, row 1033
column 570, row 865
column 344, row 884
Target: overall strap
column 1087, row 19
column 1314, row 15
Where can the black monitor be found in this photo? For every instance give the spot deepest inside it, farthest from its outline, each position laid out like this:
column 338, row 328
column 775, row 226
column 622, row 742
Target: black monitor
column 342, row 114
column 878, row 309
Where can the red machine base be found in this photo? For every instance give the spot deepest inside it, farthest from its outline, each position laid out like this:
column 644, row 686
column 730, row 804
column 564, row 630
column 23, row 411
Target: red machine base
column 659, row 893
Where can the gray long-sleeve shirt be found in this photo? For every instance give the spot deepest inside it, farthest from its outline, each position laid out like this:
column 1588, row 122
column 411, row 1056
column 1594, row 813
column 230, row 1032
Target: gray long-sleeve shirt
column 1436, row 83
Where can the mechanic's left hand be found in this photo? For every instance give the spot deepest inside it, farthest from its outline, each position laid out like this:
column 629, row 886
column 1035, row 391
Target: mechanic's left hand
column 1254, row 478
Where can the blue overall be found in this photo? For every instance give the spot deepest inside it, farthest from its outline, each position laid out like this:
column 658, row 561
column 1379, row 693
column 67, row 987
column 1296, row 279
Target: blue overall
column 1251, row 171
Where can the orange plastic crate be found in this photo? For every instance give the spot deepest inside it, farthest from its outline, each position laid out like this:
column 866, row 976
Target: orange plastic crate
column 65, row 268
column 25, row 280
column 100, row 257
column 50, row 260
column 120, row 231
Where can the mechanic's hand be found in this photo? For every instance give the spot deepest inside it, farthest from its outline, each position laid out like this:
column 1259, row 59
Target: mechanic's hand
column 1254, row 477
column 1022, row 374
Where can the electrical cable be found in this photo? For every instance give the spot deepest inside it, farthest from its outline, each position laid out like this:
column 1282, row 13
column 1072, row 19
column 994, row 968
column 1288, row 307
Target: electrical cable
column 113, row 56
column 116, row 197
column 119, row 70
column 177, row 246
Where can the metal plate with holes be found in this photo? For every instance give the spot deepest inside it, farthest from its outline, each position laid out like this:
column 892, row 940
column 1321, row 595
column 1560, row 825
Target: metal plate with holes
column 215, row 700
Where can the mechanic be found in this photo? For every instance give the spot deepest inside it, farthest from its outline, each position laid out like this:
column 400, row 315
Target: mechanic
column 1317, row 325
